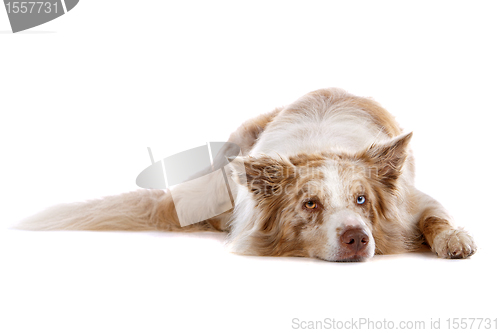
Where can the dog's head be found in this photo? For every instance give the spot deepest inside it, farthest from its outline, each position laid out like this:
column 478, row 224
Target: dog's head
column 332, row 206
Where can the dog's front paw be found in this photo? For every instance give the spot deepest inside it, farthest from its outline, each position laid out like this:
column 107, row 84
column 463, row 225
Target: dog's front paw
column 454, row 244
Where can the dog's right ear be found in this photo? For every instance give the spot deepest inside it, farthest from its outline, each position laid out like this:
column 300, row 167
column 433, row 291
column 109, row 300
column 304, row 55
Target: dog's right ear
column 262, row 175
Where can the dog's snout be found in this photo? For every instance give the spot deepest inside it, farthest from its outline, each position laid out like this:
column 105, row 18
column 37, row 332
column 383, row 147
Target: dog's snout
column 354, row 240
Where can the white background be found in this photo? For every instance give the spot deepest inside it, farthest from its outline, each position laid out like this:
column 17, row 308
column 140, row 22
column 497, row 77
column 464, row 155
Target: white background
column 82, row 97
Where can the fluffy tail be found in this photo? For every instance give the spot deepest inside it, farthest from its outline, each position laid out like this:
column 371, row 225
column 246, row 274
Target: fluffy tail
column 139, row 210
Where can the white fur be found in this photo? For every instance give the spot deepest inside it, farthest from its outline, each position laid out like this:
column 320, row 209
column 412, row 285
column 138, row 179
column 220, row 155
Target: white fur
column 244, row 226
column 341, row 220
column 338, row 217
column 321, row 128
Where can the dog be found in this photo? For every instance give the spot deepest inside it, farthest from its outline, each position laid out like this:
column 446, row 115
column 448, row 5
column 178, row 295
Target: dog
column 330, row 176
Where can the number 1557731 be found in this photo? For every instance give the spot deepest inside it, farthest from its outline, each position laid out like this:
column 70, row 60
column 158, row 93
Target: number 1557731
column 31, row 7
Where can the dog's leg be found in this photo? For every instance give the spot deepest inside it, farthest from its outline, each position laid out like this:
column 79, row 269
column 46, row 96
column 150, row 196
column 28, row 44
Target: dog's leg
column 437, row 227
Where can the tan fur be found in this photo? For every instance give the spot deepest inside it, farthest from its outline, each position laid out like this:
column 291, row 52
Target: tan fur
column 282, row 228
column 267, row 177
column 444, row 238
column 379, row 115
column 401, row 218
column 135, row 211
column 246, row 135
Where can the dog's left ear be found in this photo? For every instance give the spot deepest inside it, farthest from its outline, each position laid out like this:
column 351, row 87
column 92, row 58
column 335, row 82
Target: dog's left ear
column 388, row 159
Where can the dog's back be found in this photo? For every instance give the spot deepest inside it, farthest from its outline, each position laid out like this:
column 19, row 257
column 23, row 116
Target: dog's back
column 327, row 119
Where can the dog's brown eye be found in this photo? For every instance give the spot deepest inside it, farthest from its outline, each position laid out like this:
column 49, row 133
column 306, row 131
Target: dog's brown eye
column 310, row 205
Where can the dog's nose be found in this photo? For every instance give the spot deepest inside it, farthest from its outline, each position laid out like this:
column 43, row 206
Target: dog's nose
column 354, row 240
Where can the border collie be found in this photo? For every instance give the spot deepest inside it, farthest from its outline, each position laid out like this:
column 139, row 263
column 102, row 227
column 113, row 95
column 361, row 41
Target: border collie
column 330, row 176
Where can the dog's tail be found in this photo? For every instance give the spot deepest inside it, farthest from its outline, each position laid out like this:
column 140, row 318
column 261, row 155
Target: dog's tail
column 138, row 210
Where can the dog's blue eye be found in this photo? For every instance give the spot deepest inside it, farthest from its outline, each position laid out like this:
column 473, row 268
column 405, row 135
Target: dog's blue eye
column 360, row 200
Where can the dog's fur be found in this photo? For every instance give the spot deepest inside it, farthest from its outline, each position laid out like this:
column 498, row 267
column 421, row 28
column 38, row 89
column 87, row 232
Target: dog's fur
column 329, row 176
